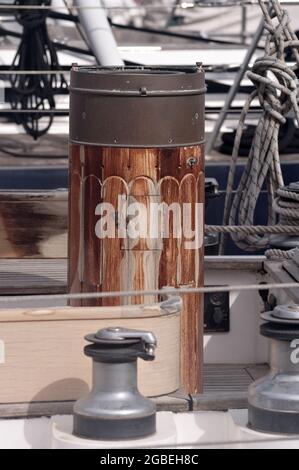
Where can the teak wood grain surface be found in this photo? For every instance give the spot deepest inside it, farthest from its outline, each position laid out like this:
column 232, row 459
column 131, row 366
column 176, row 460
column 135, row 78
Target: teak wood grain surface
column 33, row 224
column 155, row 175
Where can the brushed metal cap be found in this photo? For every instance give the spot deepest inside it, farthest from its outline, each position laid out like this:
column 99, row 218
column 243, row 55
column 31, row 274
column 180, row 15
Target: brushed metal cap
column 137, row 106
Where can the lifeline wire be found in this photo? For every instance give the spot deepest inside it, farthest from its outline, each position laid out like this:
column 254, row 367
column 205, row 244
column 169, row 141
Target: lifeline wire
column 165, row 291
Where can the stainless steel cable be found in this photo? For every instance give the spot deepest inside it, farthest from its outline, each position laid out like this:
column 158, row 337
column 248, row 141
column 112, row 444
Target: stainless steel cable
column 162, row 292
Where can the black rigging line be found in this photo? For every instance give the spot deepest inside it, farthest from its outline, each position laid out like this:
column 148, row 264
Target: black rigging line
column 35, row 52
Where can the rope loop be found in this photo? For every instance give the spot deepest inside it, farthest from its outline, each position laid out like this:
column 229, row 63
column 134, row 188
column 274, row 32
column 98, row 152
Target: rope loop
column 277, row 93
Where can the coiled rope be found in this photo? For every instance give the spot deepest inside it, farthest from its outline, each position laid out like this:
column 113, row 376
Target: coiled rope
column 276, row 89
column 286, row 205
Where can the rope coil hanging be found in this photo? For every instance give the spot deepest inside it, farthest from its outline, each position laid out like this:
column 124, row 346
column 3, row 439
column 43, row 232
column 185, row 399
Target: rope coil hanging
column 277, row 91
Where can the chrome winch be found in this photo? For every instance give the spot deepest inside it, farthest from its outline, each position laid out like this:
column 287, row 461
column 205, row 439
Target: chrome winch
column 274, row 399
column 114, row 408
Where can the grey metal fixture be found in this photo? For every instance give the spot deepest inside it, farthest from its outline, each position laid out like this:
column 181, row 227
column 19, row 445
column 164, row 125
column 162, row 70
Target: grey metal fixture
column 123, row 106
column 114, row 408
column 274, row 399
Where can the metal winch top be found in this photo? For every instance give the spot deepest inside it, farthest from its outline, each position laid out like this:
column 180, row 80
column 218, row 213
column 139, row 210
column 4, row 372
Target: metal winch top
column 274, row 399
column 282, row 314
column 114, row 409
column 108, row 342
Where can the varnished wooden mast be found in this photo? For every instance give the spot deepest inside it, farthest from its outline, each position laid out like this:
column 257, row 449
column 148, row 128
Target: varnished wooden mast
column 102, row 174
column 169, row 174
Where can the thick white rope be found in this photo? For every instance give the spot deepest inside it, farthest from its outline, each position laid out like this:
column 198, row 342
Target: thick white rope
column 277, row 91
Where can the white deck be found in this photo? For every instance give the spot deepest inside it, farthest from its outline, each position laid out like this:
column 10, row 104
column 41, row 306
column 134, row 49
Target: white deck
column 214, row 430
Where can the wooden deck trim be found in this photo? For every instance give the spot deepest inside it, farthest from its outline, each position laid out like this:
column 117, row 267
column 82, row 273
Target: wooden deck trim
column 219, row 401
column 89, row 313
column 238, row 263
column 279, row 274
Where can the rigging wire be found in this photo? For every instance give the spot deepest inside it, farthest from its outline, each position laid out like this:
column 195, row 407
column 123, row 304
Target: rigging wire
column 165, row 291
column 75, row 19
column 183, row 5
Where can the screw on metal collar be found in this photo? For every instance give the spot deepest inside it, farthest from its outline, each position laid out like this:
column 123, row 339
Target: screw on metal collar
column 192, row 161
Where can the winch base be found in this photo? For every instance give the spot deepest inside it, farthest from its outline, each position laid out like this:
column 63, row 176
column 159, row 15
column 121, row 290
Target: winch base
column 111, row 429
column 273, row 421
